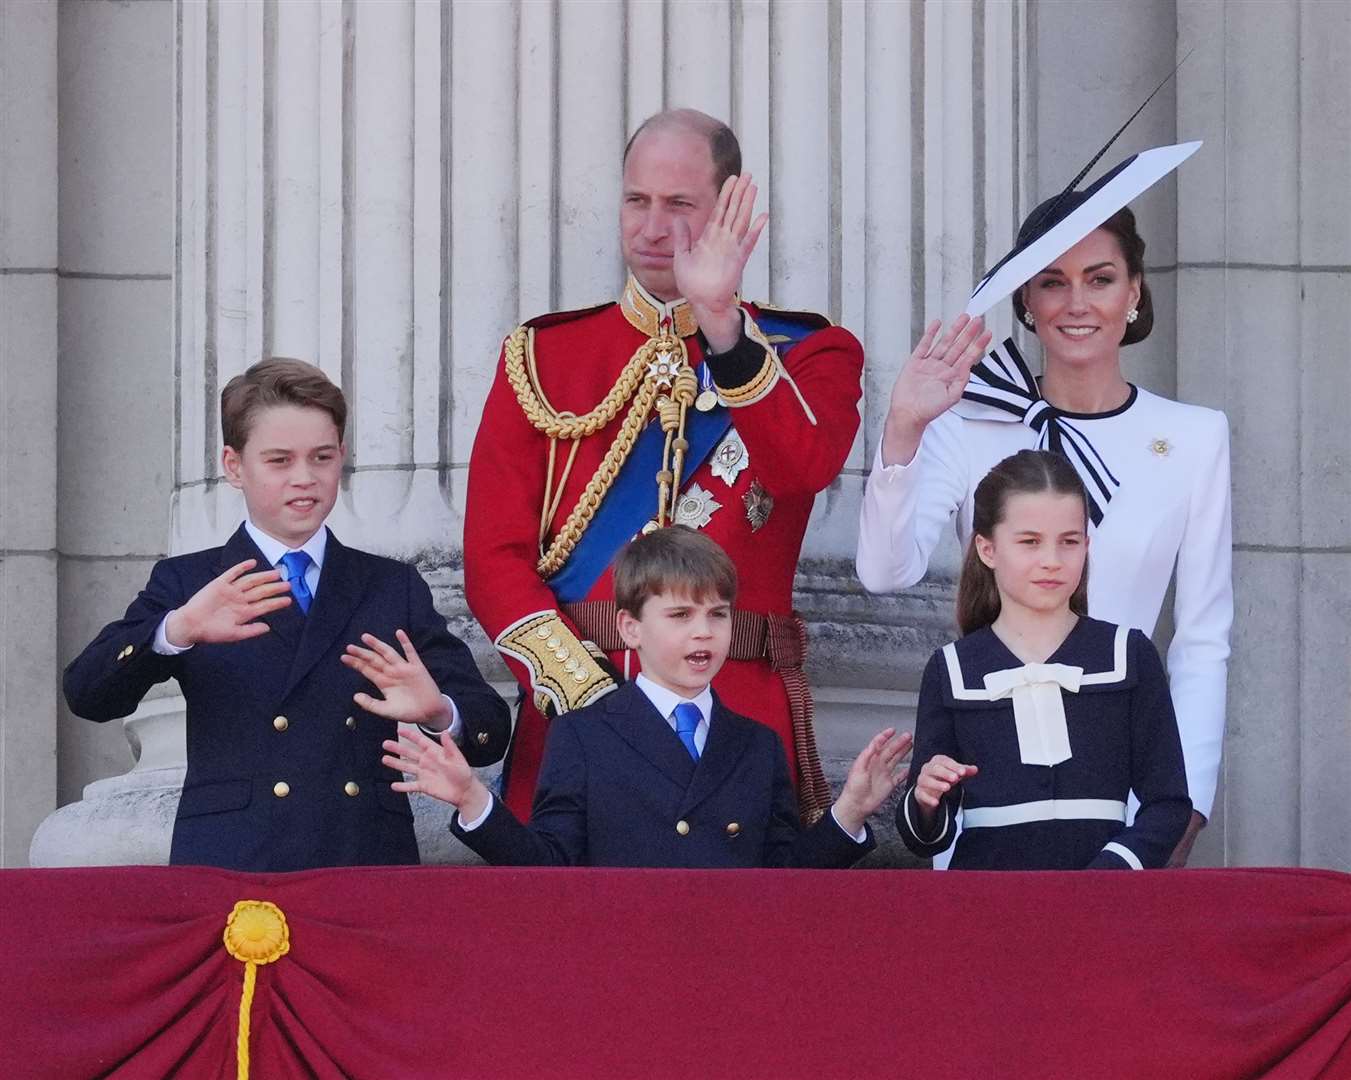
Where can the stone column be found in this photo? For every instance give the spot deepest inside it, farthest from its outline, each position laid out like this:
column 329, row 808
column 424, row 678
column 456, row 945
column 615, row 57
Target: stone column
column 116, row 391
column 1264, row 279
column 28, row 352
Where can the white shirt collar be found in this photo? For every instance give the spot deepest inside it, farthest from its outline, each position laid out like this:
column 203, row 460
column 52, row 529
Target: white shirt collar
column 273, row 549
column 665, row 701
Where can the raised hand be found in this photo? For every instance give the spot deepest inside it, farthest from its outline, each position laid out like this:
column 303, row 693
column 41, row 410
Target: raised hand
column 873, row 776
column 708, row 268
column 938, row 776
column 228, row 608
column 409, row 693
column 931, row 382
column 437, row 769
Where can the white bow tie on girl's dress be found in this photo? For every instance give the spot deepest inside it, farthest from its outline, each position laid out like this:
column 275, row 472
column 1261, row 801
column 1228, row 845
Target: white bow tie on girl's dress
column 1038, row 708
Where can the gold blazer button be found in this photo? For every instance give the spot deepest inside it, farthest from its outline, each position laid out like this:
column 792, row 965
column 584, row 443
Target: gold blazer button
column 281, row 789
column 683, row 828
column 733, row 828
column 351, row 788
column 280, row 723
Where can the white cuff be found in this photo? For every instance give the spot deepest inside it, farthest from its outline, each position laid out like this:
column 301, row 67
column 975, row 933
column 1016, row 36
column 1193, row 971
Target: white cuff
column 860, row 837
column 470, row 826
column 1125, row 854
column 162, row 644
column 456, row 728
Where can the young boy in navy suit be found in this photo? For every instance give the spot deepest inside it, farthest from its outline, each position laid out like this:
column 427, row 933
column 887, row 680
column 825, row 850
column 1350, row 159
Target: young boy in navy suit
column 283, row 768
column 659, row 772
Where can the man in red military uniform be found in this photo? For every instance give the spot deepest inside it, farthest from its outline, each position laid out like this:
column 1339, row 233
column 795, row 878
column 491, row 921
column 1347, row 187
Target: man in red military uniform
column 678, row 404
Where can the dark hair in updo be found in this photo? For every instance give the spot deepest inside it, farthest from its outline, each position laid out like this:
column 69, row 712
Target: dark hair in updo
column 1122, row 226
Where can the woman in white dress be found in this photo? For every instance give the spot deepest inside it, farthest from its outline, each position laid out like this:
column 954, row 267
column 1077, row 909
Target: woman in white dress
column 1157, row 471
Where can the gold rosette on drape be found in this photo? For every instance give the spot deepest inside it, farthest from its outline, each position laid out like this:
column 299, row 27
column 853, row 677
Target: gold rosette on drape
column 255, row 933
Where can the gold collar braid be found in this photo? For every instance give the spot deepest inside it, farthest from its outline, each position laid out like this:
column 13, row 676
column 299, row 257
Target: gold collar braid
column 650, row 316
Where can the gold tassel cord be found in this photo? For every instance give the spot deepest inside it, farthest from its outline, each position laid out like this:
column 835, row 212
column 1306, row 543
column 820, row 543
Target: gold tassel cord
column 255, row 933
column 684, row 391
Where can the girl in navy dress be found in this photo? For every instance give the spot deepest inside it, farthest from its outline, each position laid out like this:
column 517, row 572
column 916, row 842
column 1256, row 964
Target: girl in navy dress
column 1039, row 722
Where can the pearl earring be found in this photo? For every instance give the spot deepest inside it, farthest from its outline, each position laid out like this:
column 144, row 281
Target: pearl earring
column 1132, row 315
column 1027, row 318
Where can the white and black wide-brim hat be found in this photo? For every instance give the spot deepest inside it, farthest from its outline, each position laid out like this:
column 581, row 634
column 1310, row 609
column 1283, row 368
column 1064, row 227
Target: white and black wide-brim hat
column 1063, row 220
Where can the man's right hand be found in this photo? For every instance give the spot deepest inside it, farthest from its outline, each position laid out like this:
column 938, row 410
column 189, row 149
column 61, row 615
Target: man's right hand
column 229, row 607
column 931, row 382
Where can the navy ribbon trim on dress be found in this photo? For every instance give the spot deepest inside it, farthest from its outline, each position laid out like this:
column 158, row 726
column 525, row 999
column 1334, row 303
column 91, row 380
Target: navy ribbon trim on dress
column 1004, row 382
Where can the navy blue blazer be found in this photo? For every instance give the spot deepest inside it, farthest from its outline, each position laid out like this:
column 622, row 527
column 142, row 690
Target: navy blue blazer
column 284, row 769
column 618, row 788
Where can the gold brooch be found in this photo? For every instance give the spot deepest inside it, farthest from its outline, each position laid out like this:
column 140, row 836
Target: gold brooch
column 1160, row 447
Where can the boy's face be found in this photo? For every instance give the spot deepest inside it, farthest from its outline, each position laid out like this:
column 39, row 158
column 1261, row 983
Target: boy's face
column 288, row 471
column 681, row 642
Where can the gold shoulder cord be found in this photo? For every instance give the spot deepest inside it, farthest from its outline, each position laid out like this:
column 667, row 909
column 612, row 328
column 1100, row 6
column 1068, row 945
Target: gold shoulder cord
column 659, row 361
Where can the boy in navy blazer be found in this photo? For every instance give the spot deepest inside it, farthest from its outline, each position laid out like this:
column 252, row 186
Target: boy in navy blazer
column 283, row 741
column 659, row 772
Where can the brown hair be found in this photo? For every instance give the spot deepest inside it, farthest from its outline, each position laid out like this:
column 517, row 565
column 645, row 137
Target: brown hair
column 276, row 381
column 723, row 147
column 1122, row 226
column 1028, row 472
column 677, row 558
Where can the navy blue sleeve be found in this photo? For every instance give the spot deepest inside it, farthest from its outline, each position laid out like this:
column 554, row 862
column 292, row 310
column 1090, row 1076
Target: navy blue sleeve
column 934, row 734
column 116, row 670
column 485, row 716
column 557, row 833
column 1158, row 774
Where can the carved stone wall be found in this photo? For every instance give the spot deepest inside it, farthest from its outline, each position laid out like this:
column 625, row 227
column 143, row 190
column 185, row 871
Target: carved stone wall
column 388, row 187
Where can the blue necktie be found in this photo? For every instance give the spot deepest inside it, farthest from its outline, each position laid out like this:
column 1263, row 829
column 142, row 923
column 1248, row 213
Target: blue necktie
column 296, row 563
column 687, row 717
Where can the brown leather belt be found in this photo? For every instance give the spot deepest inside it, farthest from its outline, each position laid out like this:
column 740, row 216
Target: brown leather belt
column 780, row 639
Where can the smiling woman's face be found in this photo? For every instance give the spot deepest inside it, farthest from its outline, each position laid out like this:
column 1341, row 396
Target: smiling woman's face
column 1080, row 301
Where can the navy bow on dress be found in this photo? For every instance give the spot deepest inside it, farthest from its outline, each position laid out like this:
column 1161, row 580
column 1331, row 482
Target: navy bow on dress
column 1004, row 383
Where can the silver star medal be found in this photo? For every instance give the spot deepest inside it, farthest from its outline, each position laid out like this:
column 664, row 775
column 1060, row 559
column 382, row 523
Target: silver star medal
column 696, row 507
column 730, row 458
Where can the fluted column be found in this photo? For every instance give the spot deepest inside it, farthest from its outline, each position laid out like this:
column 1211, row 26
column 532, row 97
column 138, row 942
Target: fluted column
column 1264, row 252
column 28, row 351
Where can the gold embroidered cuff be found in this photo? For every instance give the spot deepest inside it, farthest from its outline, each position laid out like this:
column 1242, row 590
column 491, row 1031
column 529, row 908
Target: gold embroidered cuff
column 562, row 668
column 763, row 381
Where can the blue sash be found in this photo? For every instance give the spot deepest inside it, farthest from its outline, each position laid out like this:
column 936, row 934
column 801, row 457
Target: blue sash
column 631, row 501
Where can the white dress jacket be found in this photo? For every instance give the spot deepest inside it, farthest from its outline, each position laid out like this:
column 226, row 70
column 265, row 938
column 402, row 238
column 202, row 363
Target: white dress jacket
column 1170, row 511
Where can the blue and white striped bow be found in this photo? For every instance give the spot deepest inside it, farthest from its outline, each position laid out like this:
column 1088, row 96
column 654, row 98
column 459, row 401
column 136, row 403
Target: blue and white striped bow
column 1004, row 386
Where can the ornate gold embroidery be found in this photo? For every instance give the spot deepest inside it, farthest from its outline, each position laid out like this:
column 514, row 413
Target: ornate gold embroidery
column 565, row 674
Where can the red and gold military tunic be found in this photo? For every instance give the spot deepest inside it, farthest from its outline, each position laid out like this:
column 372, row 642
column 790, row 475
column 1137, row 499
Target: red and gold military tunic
column 555, row 426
